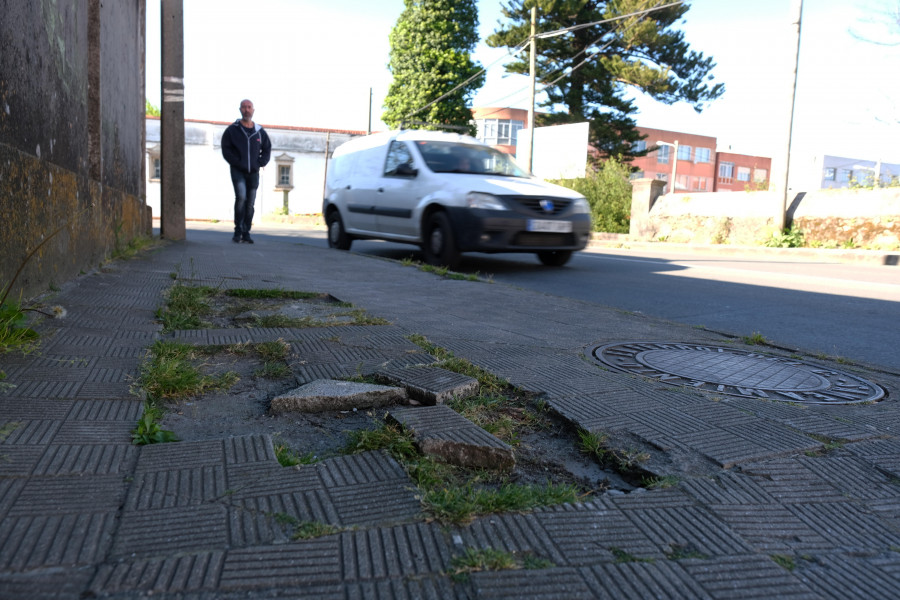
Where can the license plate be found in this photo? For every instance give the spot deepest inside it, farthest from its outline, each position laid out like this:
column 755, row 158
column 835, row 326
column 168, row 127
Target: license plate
column 547, row 226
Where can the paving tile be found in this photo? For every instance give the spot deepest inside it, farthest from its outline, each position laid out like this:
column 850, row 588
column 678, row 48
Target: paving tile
column 100, row 432
column 170, row 531
column 48, row 389
column 376, row 503
column 584, row 537
column 159, row 457
column 640, row 580
column 170, row 575
column 848, row 577
column 129, row 410
column 846, row 525
column 86, row 459
column 535, row 583
column 853, row 476
column 417, row 549
column 36, row 432
column 176, row 487
column 55, row 495
column 747, row 577
column 252, row 527
column 56, row 539
column 302, row 564
column 515, row 533
column 50, row 583
column 247, row 449
column 420, row 588
column 771, row 528
column 365, row 467
column 726, row 488
column 687, row 530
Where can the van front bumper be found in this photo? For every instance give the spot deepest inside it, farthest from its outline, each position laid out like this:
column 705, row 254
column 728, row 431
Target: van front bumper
column 479, row 230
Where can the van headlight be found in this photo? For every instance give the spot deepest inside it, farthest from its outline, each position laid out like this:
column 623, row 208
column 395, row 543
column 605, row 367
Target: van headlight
column 486, row 201
column 581, row 207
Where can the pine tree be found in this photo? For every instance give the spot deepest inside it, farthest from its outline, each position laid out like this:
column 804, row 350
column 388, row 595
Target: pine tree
column 431, row 45
column 589, row 69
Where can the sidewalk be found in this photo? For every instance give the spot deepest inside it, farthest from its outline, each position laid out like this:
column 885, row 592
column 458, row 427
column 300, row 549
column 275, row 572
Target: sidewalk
column 773, row 495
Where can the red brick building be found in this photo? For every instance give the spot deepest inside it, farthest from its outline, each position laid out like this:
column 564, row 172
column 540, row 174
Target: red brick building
column 698, row 167
column 741, row 173
column 499, row 126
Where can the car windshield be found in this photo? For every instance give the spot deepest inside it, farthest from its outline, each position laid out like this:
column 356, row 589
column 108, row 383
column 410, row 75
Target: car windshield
column 452, row 157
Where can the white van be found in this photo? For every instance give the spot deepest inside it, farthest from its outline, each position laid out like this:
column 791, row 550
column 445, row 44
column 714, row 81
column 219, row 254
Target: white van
column 448, row 193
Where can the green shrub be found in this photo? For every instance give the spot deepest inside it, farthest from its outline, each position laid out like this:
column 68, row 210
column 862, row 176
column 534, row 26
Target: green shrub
column 608, row 191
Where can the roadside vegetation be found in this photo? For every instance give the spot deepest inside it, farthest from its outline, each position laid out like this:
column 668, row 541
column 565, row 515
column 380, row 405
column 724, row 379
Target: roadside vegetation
column 608, row 191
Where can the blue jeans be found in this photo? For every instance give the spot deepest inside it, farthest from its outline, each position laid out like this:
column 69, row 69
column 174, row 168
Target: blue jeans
column 245, row 185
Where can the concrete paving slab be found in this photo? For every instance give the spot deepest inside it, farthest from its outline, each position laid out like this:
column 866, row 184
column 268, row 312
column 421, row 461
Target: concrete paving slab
column 331, row 394
column 430, row 385
column 441, row 432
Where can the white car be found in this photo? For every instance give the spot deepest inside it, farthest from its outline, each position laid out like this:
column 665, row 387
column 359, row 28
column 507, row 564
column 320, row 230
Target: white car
column 448, row 193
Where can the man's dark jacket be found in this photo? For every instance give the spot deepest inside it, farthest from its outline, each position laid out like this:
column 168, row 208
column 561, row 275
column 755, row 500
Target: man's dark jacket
column 244, row 152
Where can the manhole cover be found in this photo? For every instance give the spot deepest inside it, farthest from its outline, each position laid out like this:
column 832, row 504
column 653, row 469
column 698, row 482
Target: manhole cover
column 736, row 372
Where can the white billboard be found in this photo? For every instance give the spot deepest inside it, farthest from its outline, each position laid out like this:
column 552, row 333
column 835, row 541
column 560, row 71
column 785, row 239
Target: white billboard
column 560, row 151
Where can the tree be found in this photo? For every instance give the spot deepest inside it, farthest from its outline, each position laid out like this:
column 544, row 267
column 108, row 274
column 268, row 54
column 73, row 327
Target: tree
column 150, row 110
column 430, row 56
column 588, row 70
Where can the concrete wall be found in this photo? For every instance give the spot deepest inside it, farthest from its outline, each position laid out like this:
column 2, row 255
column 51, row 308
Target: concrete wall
column 870, row 218
column 71, row 136
column 208, row 191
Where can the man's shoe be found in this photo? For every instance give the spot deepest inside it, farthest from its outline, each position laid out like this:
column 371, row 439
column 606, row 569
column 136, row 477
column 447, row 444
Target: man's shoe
column 237, row 238
column 247, row 239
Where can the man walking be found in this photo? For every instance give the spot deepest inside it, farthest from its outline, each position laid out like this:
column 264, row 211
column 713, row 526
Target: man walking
column 246, row 147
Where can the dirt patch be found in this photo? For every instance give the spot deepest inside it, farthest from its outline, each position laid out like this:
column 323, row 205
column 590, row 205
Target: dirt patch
column 546, row 450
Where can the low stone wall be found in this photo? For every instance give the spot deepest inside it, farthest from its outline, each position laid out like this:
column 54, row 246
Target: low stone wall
column 861, row 218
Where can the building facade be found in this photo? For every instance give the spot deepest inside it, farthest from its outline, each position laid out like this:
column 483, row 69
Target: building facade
column 499, row 126
column 831, row 172
column 294, row 179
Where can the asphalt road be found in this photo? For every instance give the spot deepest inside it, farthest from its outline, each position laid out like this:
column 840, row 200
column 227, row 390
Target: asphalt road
column 814, row 305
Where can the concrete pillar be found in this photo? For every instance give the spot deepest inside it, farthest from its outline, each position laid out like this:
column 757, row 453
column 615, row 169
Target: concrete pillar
column 644, row 193
column 171, row 209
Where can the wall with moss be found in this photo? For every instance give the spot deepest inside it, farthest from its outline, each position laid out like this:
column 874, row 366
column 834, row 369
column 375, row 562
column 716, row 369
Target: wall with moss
column 71, row 136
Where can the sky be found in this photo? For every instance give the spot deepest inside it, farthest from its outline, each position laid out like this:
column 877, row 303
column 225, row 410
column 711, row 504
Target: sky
column 310, row 63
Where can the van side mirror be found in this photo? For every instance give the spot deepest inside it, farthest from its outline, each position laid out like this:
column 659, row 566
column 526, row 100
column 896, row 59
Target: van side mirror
column 406, row 169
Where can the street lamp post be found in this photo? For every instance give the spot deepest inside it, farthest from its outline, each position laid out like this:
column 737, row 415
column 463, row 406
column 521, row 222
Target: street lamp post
column 674, row 158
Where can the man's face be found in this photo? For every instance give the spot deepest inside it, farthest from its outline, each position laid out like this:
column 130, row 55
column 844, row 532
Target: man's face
column 247, row 110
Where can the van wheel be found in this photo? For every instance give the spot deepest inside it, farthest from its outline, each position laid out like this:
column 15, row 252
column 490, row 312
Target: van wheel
column 337, row 237
column 554, row 258
column 439, row 247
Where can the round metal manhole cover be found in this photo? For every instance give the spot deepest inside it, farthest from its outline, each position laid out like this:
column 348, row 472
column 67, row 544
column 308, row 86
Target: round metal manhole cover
column 735, row 372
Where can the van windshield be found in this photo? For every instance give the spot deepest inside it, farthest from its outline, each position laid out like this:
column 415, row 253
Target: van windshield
column 452, row 157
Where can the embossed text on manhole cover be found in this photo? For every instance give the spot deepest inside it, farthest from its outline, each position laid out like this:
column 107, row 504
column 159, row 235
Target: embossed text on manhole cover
column 735, row 372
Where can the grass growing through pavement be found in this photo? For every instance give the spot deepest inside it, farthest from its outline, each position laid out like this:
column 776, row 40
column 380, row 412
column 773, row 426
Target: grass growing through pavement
column 170, row 373
column 454, row 494
column 596, row 445
column 186, row 305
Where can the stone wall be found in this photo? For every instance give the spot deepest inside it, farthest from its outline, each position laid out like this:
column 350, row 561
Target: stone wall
column 867, row 218
column 71, row 136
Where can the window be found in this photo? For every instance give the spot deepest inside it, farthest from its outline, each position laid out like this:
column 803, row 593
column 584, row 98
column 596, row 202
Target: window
column 701, row 155
column 284, row 173
column 743, row 173
column 682, row 182
column 844, row 175
column 639, row 146
column 684, row 153
column 829, row 173
column 662, row 176
column 760, row 175
column 398, row 154
column 702, row 184
column 498, row 131
column 155, row 170
column 662, row 155
column 726, row 172
column 636, row 175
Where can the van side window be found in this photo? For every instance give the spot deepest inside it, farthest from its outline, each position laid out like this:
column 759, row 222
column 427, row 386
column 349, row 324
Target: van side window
column 398, row 154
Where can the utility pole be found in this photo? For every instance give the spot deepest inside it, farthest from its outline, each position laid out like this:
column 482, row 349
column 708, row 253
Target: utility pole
column 532, row 63
column 369, row 128
column 797, row 10
column 171, row 219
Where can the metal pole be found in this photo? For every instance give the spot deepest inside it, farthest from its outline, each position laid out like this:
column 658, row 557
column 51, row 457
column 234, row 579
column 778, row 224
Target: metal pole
column 369, row 128
column 798, row 11
column 531, row 67
column 325, row 172
column 674, row 166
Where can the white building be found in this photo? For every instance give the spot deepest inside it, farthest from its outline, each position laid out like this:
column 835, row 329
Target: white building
column 296, row 169
column 840, row 172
